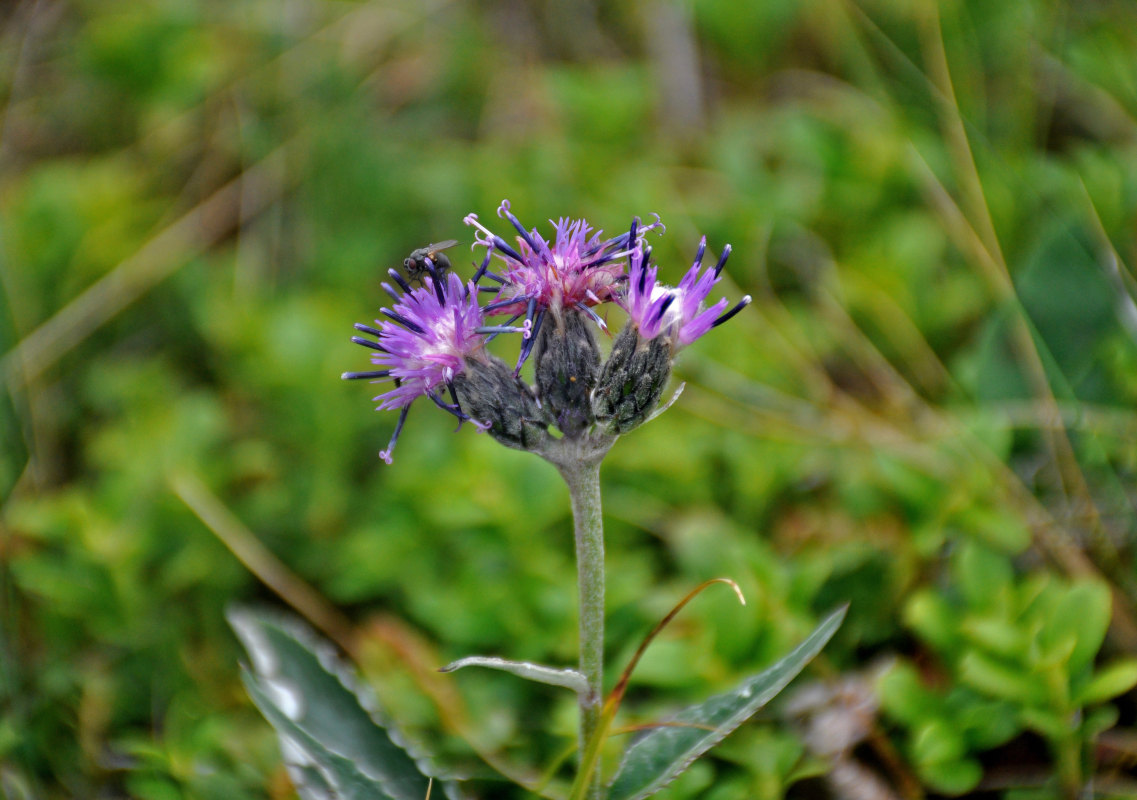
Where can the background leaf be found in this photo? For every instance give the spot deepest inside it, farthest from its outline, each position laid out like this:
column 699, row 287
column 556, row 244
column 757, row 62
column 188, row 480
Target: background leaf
column 323, row 721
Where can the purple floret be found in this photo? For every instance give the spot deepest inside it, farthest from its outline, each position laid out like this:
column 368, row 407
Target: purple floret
column 677, row 312
column 424, row 359
column 577, row 270
column 423, row 344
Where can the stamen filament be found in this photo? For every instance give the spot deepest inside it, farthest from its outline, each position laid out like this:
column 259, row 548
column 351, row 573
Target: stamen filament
column 482, row 269
column 436, row 281
column 595, row 317
column 386, row 454
column 360, row 376
column 369, row 343
column 527, row 346
column 399, row 318
column 743, row 303
column 406, row 287
column 701, row 252
column 722, row 259
column 503, row 209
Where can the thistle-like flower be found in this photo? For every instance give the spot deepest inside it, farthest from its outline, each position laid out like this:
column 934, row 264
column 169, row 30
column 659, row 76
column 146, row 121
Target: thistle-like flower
column 434, row 337
column 428, row 338
column 662, row 320
column 678, row 312
column 576, row 271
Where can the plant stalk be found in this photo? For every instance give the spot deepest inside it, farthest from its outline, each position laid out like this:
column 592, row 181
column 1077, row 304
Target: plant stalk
column 583, row 479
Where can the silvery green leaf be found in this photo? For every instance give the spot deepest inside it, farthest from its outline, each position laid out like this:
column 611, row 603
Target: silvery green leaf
column 569, row 678
column 654, row 759
column 309, row 781
column 331, row 734
column 317, row 772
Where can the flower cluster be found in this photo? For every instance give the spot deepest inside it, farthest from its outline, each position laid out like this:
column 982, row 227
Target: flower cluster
column 435, row 336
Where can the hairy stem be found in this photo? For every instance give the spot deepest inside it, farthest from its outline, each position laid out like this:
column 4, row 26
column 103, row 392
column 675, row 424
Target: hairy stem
column 583, row 479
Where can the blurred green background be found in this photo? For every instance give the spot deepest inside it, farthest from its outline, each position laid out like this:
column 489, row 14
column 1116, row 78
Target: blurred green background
column 928, row 410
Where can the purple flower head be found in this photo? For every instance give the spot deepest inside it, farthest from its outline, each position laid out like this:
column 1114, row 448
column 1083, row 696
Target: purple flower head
column 677, row 312
column 577, row 270
column 423, row 344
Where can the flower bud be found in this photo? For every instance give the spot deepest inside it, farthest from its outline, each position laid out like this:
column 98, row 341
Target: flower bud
column 632, row 380
column 501, row 403
column 567, row 363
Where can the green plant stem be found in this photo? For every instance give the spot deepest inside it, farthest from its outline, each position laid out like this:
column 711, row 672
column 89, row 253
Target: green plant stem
column 583, row 479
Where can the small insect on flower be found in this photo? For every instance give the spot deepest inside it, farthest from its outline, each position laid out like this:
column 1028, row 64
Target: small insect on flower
column 422, row 345
column 428, row 260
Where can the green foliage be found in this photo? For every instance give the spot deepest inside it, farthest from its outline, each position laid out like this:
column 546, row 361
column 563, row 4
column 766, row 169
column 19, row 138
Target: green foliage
column 1019, row 654
column 878, row 426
